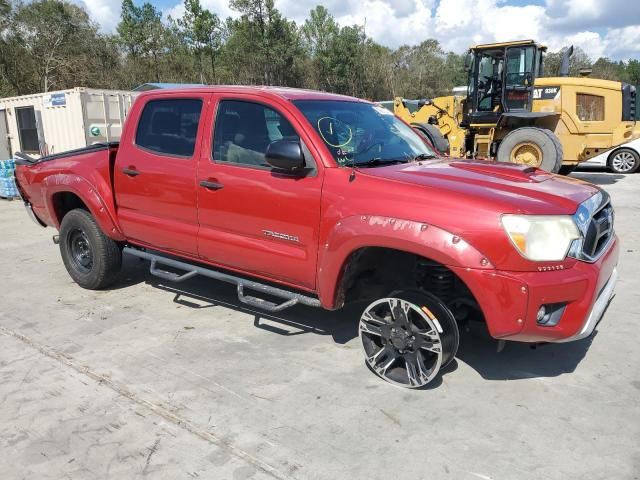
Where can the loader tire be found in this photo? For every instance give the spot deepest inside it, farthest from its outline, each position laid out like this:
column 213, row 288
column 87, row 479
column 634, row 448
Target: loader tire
column 533, row 147
column 433, row 134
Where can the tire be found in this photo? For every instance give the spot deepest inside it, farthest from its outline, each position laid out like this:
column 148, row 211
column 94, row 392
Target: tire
column 408, row 337
column 536, row 147
column 92, row 259
column 624, row 160
column 433, row 134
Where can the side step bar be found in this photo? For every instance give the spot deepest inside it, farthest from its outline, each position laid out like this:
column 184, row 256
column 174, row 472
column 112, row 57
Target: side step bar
column 290, row 298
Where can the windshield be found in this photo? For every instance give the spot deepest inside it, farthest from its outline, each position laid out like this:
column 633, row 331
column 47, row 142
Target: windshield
column 359, row 133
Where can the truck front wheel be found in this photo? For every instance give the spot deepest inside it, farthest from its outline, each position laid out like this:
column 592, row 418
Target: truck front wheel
column 408, row 337
column 92, row 259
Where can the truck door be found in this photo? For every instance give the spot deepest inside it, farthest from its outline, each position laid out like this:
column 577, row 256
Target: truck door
column 519, row 77
column 251, row 218
column 155, row 172
column 5, row 143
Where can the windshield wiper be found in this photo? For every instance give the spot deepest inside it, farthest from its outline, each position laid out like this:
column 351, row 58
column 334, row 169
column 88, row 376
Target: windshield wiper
column 380, row 161
column 424, row 156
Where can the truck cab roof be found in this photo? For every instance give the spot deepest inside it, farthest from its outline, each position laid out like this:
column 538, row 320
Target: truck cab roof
column 285, row 93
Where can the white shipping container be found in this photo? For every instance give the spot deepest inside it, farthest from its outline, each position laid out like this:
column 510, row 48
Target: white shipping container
column 54, row 122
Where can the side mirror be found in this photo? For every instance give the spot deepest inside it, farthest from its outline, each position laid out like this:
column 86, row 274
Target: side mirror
column 285, row 156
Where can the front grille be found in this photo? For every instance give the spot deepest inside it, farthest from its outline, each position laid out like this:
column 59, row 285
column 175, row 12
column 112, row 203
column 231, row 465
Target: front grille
column 598, row 232
column 595, row 221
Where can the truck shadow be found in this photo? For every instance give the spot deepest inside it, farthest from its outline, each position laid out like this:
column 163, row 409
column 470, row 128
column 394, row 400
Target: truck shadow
column 519, row 360
column 202, row 293
column 477, row 349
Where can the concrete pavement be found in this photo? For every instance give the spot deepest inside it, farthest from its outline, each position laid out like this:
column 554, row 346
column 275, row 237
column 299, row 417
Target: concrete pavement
column 155, row 380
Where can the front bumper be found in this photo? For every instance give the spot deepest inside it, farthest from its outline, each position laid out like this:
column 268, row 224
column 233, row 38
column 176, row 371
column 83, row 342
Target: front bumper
column 510, row 300
column 597, row 310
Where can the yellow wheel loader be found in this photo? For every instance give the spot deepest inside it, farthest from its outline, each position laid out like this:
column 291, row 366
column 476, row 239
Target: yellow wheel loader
column 511, row 114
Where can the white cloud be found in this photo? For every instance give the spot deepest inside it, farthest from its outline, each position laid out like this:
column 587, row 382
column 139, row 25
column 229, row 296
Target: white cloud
column 175, row 12
column 623, row 42
column 220, row 7
column 106, row 13
column 610, row 28
column 462, row 23
column 590, row 42
column 383, row 22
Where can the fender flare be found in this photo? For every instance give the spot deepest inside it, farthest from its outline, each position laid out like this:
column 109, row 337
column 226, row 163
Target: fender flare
column 419, row 238
column 64, row 182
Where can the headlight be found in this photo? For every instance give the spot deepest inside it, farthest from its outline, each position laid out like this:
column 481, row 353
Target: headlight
column 541, row 238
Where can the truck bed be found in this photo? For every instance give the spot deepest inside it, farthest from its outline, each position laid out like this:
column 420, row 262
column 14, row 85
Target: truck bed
column 24, row 159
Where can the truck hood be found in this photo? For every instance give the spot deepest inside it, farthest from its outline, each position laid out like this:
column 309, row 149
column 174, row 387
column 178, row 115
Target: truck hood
column 509, row 187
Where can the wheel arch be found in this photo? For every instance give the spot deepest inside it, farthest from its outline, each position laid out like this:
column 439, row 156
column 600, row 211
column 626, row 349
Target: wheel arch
column 66, row 192
column 343, row 251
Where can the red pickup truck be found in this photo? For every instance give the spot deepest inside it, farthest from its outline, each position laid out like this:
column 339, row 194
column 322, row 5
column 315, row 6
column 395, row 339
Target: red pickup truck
column 302, row 197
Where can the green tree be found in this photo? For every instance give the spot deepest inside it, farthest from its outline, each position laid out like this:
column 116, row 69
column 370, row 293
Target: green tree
column 152, row 31
column 10, row 50
column 426, row 70
column 129, row 32
column 578, row 61
column 633, row 72
column 49, row 44
column 318, row 35
column 607, row 70
column 142, row 34
column 347, row 61
column 179, row 62
column 262, row 46
column 202, row 32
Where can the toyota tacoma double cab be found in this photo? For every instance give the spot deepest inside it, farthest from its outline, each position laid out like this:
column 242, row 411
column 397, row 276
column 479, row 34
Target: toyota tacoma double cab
column 303, row 197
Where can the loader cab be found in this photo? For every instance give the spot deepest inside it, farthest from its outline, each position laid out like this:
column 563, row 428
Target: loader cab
column 501, row 78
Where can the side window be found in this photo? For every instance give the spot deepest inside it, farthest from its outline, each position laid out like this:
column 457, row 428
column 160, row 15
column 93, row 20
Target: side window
column 169, row 126
column 590, row 108
column 489, row 81
column 27, row 129
column 244, row 130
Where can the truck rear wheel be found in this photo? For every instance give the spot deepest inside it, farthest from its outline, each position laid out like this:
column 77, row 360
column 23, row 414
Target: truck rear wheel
column 92, row 259
column 533, row 147
column 408, row 337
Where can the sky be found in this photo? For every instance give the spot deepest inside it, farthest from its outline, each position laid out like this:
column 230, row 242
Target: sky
column 609, row 28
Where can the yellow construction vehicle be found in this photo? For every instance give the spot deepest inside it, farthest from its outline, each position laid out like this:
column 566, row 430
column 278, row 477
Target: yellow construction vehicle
column 509, row 113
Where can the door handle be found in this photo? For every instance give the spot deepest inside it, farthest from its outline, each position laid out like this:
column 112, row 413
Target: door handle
column 131, row 171
column 211, row 185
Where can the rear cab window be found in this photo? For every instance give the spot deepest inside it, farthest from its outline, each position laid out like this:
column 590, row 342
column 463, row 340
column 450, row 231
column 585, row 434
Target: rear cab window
column 169, row 127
